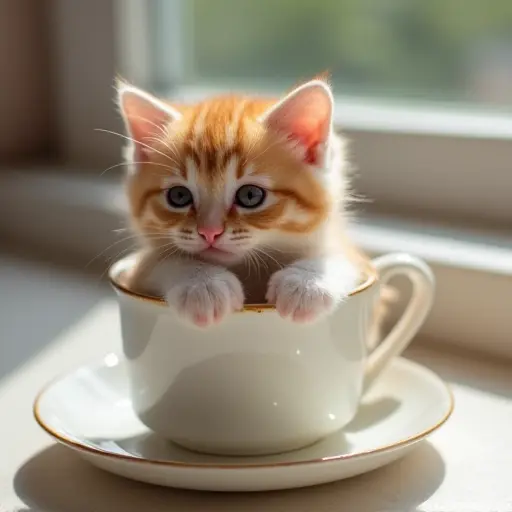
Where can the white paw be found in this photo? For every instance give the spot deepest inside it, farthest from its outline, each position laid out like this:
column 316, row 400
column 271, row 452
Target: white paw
column 207, row 297
column 303, row 293
column 298, row 295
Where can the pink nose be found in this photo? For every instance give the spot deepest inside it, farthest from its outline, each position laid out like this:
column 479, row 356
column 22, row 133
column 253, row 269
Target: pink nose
column 210, row 233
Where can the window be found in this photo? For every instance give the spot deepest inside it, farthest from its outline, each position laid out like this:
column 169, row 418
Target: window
column 424, row 89
column 423, row 92
column 395, row 49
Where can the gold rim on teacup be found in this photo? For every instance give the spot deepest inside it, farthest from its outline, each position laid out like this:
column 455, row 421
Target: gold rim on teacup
column 116, row 271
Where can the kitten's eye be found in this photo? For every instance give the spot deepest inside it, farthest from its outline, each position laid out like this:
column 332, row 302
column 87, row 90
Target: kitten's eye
column 179, row 196
column 250, row 196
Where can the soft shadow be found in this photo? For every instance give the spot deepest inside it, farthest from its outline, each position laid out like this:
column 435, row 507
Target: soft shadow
column 370, row 414
column 52, row 297
column 152, row 446
column 465, row 367
column 57, row 480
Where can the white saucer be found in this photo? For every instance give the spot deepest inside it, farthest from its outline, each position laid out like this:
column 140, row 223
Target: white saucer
column 89, row 411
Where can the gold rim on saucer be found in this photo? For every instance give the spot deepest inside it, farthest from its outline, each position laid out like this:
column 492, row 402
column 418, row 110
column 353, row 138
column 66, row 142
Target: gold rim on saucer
column 130, row 458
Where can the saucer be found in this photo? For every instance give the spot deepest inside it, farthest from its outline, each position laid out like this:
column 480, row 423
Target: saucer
column 89, row 411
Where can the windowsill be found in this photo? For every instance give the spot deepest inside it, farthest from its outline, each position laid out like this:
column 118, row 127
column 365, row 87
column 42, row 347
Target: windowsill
column 67, row 213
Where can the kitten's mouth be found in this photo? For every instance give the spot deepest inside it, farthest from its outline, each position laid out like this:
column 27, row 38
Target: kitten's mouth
column 216, row 254
column 215, row 250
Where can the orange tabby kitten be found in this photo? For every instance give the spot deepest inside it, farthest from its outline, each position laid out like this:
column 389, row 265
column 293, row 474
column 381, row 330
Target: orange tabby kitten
column 232, row 183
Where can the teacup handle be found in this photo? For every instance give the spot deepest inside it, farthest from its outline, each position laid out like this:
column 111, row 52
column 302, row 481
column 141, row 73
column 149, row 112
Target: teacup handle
column 423, row 286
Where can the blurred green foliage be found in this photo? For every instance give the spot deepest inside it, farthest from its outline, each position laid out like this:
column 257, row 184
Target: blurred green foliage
column 416, row 48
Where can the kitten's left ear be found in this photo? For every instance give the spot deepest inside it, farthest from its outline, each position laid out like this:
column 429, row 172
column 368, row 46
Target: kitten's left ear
column 145, row 116
column 305, row 118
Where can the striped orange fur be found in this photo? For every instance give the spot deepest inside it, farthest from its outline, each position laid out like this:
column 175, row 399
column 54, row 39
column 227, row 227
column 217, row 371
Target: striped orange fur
column 220, row 139
column 284, row 150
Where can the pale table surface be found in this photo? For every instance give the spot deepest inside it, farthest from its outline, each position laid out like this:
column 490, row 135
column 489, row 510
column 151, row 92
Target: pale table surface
column 466, row 466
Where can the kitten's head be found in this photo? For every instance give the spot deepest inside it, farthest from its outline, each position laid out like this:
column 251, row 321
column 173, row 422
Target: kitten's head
column 231, row 175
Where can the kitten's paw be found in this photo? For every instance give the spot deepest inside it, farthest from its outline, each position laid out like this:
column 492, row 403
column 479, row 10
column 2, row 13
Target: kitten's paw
column 208, row 297
column 299, row 295
column 311, row 288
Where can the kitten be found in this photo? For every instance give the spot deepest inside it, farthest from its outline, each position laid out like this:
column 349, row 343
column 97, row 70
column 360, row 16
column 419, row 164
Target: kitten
column 232, row 183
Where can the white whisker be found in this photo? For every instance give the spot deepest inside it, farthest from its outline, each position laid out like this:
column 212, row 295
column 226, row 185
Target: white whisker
column 135, row 142
column 120, row 164
column 157, row 140
column 167, row 143
column 161, row 127
column 267, row 255
column 149, row 236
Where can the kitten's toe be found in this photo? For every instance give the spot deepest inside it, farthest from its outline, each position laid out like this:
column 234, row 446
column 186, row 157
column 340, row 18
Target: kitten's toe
column 312, row 305
column 200, row 320
column 271, row 294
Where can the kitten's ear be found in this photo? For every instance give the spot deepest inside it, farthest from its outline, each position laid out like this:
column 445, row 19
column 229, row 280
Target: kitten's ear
column 145, row 116
column 304, row 117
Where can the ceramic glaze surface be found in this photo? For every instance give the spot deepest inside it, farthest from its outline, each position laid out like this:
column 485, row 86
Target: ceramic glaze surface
column 90, row 411
column 257, row 383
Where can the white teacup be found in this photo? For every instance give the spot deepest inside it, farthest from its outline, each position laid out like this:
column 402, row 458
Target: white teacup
column 256, row 383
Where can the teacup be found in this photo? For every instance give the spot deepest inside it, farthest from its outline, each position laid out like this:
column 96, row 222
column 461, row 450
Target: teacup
column 257, row 383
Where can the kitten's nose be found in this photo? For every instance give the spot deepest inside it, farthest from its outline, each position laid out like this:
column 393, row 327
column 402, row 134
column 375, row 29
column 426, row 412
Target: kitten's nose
column 210, row 233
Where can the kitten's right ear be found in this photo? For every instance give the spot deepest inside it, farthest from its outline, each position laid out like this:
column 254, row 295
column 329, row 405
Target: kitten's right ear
column 304, row 117
column 145, row 116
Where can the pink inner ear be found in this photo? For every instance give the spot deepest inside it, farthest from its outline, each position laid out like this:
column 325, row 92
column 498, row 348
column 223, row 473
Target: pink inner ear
column 145, row 117
column 309, row 133
column 305, row 118
column 146, row 122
